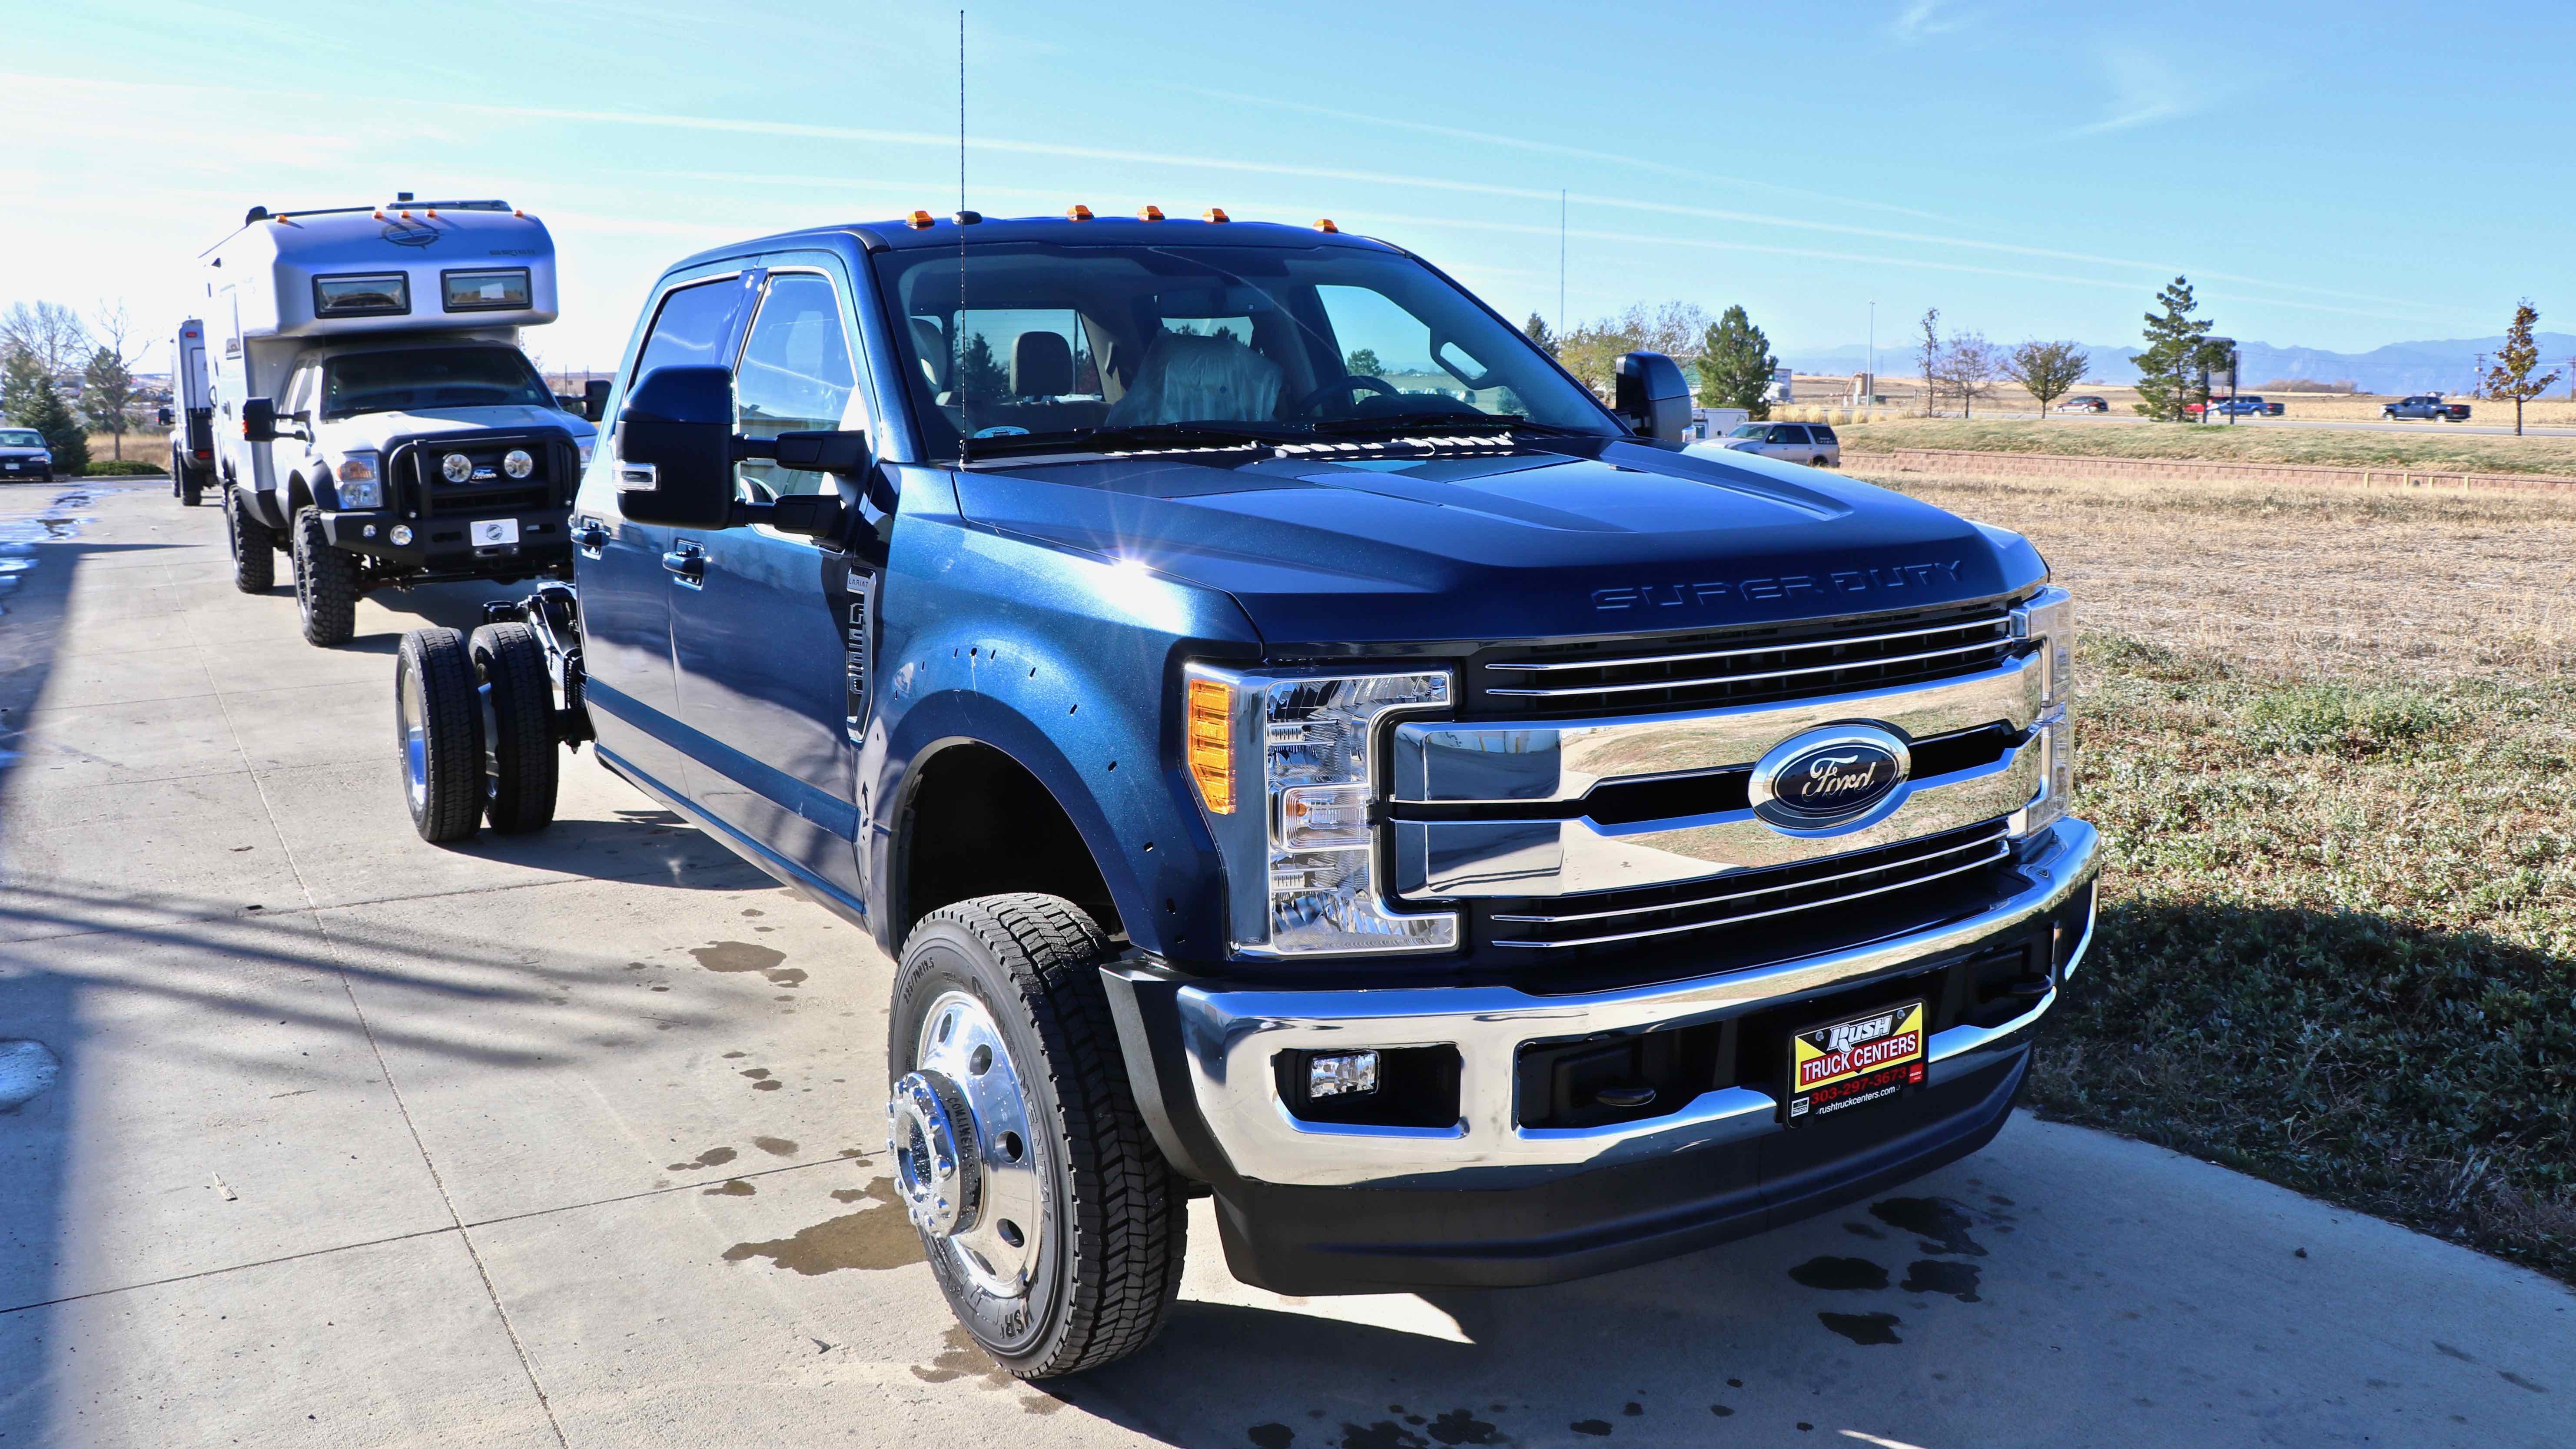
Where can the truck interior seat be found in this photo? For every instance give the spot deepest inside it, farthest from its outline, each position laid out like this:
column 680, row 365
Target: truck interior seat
column 1188, row 378
column 931, row 346
column 1041, row 365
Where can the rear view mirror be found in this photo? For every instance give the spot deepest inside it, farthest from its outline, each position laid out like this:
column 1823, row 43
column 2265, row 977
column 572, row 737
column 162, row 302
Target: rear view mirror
column 594, row 399
column 674, row 448
column 258, row 420
column 1652, row 396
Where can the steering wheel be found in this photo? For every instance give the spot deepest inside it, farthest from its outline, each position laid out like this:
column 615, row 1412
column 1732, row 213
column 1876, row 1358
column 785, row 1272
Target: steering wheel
column 1343, row 384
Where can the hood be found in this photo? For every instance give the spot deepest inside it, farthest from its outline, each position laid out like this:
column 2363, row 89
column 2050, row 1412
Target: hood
column 372, row 429
column 1619, row 537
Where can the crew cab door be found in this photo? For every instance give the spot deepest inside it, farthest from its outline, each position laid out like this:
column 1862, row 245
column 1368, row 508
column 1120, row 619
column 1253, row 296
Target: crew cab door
column 759, row 637
column 623, row 567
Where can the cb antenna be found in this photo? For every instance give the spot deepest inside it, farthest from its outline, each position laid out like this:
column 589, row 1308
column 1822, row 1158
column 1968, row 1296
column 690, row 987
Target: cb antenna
column 965, row 399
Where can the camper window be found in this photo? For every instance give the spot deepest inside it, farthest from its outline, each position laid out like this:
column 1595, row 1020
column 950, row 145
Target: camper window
column 379, row 294
column 502, row 289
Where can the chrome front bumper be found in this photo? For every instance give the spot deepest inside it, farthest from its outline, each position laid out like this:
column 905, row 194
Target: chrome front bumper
column 1228, row 1037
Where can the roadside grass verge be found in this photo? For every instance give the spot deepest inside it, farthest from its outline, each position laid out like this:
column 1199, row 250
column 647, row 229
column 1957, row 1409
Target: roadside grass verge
column 2218, row 443
column 2338, row 943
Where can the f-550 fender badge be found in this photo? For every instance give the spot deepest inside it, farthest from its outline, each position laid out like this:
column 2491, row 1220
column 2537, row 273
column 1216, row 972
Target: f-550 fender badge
column 1829, row 780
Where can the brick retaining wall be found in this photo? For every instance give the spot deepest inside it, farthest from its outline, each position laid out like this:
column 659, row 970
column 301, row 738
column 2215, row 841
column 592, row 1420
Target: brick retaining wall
column 2167, row 470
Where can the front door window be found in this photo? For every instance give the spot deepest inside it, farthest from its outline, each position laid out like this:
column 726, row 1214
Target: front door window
column 795, row 377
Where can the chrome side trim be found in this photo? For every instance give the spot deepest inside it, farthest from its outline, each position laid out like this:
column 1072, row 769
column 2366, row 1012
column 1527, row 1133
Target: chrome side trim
column 1228, row 1037
column 1467, row 763
column 1464, row 858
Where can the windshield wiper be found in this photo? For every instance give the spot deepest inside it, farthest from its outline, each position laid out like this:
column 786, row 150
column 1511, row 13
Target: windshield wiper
column 1134, row 436
column 1442, row 422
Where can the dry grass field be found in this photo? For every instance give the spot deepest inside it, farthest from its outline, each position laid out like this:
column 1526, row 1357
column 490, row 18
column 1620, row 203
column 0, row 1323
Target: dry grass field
column 2436, row 447
column 2330, row 739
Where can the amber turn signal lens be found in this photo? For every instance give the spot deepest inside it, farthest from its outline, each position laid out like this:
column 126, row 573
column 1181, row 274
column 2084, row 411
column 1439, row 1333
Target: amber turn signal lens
column 1211, row 743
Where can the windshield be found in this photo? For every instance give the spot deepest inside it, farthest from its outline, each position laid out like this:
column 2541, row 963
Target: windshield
column 1075, row 345
column 429, row 377
column 21, row 438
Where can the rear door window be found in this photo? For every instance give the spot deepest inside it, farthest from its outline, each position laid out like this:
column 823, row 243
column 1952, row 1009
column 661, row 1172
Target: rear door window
column 1825, row 435
column 1788, row 433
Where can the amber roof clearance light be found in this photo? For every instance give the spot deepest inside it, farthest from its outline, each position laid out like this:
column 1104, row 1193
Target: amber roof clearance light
column 1325, row 223
column 921, row 221
column 1150, row 213
column 1077, row 212
column 1214, row 213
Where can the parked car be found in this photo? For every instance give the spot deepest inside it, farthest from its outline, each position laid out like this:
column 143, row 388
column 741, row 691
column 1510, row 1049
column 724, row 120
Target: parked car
column 2088, row 403
column 2425, row 407
column 24, row 456
column 1797, row 442
column 1474, row 838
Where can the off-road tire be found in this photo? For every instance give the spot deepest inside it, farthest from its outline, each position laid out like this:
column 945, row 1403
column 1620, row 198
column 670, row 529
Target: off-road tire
column 326, row 583
column 192, row 487
column 443, row 767
column 519, row 765
column 1112, row 1260
column 254, row 547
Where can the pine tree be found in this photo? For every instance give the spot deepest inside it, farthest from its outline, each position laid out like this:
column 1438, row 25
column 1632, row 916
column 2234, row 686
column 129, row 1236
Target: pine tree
column 1364, row 363
column 1540, row 334
column 979, row 373
column 1735, row 364
column 107, row 395
column 28, row 399
column 2178, row 351
column 2516, row 376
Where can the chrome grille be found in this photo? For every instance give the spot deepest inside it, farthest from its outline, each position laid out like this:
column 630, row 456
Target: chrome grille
column 1633, row 675
column 1608, row 917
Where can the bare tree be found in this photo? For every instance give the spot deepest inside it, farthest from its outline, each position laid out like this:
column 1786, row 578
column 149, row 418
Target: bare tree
column 2047, row 370
column 1928, row 353
column 49, row 332
column 1968, row 366
column 2516, row 377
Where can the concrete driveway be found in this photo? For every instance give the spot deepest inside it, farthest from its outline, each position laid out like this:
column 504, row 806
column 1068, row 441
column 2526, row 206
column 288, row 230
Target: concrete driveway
column 340, row 1139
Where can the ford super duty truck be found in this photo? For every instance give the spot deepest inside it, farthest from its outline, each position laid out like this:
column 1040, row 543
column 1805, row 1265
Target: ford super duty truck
column 1300, row 747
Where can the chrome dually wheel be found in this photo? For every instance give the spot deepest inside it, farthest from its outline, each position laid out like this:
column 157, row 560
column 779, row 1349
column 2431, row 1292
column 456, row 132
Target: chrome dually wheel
column 968, row 1172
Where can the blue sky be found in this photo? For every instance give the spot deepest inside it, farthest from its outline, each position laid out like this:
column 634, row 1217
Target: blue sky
column 2339, row 176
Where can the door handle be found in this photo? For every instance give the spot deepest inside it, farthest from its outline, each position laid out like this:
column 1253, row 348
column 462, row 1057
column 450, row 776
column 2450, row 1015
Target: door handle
column 688, row 564
column 590, row 536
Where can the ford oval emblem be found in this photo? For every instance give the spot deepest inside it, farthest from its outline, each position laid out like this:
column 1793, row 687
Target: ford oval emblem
column 1836, row 778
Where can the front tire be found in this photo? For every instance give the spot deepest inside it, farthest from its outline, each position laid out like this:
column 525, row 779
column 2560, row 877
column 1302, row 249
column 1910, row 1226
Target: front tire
column 518, row 727
column 254, row 546
column 1069, row 1251
column 438, row 726
column 326, row 583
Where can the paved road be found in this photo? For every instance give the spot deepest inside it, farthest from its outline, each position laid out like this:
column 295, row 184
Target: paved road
column 2350, row 425
column 575, row 1141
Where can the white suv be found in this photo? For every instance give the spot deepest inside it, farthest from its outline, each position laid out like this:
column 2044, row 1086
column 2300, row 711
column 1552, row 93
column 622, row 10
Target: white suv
column 1797, row 442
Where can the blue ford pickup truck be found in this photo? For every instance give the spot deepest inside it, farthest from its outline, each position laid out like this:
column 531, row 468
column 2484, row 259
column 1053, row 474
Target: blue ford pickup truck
column 1301, row 748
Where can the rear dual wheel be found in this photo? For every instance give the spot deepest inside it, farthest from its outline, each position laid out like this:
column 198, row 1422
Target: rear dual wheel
column 474, row 719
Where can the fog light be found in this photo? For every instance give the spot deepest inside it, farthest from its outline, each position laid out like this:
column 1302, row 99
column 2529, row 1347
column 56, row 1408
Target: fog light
column 367, row 532
column 456, row 467
column 401, row 534
column 1340, row 1074
column 517, row 463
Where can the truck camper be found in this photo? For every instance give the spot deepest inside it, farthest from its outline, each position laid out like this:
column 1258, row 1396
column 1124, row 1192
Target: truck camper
column 374, row 418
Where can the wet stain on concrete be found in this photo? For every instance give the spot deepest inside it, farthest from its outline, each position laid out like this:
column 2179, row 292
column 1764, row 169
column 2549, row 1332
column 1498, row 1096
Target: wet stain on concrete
column 1864, row 1329
column 1270, row 1436
column 1722, row 1411
column 787, row 976
column 1384, row 1434
column 1863, row 1230
column 775, row 1146
column 1937, row 1220
column 1458, row 1426
column 2519, row 1382
column 2449, row 1352
column 1031, row 1403
column 960, row 1359
column 730, row 1187
column 1840, row 1275
column 27, row 1070
column 712, row 1157
column 735, row 1056
column 767, row 1086
column 1931, row 1275
column 753, row 911
column 847, row 1194
column 730, row 956
column 875, row 1238
column 1597, row 1428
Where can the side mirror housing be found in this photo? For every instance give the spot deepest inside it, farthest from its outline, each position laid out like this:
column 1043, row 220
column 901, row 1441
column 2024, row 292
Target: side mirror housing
column 1652, row 396
column 258, row 420
column 594, row 399
column 166, row 418
column 674, row 449
column 807, row 515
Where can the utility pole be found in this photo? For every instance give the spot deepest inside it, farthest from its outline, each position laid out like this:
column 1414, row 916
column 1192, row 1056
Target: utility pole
column 1560, row 264
column 1873, row 353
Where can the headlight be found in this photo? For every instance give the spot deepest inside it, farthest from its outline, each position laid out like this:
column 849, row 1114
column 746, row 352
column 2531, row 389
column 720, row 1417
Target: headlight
column 358, row 485
column 456, row 467
column 1302, row 867
column 2049, row 618
column 517, row 463
column 588, row 446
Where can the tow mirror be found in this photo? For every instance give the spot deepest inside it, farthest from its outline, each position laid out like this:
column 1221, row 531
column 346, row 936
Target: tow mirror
column 674, row 449
column 594, row 399
column 258, row 420
column 1652, row 397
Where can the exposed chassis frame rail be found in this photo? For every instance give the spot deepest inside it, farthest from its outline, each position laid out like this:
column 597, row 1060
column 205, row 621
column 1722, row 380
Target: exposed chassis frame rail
column 553, row 614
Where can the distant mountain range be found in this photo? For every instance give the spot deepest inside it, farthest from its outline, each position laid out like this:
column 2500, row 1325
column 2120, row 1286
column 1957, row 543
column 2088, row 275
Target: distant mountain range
column 2400, row 367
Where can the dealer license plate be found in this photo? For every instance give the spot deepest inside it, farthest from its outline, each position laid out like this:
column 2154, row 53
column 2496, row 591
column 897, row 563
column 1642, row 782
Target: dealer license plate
column 491, row 531
column 1855, row 1061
